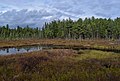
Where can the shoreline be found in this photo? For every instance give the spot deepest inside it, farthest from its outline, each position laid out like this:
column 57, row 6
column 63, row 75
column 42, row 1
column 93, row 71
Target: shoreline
column 102, row 45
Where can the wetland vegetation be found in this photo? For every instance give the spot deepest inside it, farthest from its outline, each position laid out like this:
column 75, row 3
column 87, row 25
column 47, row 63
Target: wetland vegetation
column 61, row 63
column 82, row 50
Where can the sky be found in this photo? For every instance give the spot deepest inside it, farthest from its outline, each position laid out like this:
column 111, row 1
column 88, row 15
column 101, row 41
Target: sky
column 36, row 12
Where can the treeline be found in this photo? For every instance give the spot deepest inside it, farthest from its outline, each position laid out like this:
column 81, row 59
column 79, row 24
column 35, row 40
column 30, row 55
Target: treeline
column 19, row 32
column 88, row 28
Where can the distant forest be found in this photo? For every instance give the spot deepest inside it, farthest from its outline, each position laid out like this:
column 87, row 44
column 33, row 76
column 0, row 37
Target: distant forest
column 88, row 28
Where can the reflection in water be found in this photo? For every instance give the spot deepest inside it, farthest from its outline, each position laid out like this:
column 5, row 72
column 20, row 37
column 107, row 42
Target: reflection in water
column 7, row 50
column 23, row 49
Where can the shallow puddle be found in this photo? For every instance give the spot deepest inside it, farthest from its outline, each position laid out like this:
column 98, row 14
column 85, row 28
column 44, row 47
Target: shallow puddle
column 22, row 49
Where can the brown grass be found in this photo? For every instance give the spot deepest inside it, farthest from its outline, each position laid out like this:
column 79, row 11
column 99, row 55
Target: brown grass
column 89, row 43
column 104, row 45
column 60, row 65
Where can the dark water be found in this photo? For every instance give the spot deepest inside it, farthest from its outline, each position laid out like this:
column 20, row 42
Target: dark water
column 23, row 49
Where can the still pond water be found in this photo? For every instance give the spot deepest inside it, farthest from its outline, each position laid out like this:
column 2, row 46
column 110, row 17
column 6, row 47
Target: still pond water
column 22, row 49
column 25, row 49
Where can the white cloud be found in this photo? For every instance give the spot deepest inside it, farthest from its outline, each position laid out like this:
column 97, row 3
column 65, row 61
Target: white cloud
column 36, row 12
column 48, row 17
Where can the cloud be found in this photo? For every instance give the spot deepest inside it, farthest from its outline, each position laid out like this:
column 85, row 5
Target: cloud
column 33, row 18
column 36, row 12
column 23, row 17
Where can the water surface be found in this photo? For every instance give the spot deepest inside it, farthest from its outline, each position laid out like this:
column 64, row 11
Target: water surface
column 22, row 49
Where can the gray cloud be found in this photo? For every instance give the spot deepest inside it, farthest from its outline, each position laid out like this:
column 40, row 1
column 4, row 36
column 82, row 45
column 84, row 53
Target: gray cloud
column 36, row 12
column 33, row 18
column 23, row 17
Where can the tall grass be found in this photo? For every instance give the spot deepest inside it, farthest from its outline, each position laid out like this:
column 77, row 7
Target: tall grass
column 61, row 65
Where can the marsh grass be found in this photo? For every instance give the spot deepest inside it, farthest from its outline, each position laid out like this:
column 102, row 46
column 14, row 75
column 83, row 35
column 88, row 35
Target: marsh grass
column 61, row 65
column 94, row 54
column 98, row 44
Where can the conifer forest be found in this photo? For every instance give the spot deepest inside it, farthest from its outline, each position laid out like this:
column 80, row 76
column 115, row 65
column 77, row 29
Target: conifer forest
column 88, row 28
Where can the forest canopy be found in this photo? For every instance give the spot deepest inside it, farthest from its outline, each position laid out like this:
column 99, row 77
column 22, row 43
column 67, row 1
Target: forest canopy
column 88, row 28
